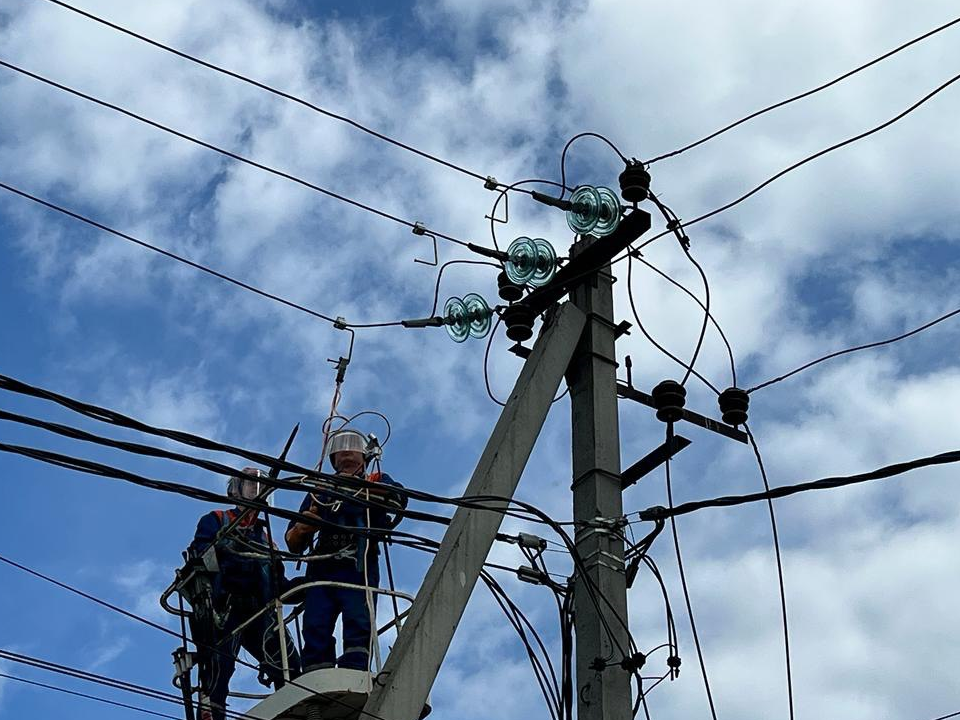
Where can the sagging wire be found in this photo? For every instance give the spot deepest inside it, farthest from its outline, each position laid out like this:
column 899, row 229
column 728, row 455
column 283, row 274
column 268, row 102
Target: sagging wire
column 674, row 224
column 776, row 549
column 683, row 581
column 857, row 348
column 184, row 260
column 646, row 334
column 502, row 195
column 802, row 95
column 563, row 156
column 228, row 153
column 274, row 91
column 723, row 335
column 436, row 289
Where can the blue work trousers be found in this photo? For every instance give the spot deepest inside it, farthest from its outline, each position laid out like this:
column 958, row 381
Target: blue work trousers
column 325, row 603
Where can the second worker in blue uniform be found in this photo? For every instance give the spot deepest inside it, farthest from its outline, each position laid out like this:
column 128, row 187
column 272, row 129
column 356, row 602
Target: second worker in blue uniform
column 344, row 555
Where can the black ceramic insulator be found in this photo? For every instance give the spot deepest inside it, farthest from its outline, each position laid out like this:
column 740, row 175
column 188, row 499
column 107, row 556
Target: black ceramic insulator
column 634, row 183
column 669, row 397
column 508, row 291
column 519, row 322
column 734, row 403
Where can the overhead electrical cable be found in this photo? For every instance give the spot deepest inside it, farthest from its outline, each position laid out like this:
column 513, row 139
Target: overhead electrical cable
column 104, row 680
column 150, row 623
column 723, row 336
column 114, row 418
column 181, row 259
column 87, row 696
column 335, row 485
column 231, row 154
column 650, row 338
column 809, row 158
column 683, row 582
column 802, row 95
column 946, row 717
column 779, row 559
column 673, row 223
column 563, row 156
column 888, row 471
column 274, row 91
column 846, row 351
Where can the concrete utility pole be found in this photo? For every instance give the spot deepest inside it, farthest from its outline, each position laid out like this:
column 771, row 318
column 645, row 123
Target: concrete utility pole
column 597, row 492
column 402, row 688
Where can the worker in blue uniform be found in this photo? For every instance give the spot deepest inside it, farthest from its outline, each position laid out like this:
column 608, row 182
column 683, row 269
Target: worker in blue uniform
column 245, row 583
column 344, row 551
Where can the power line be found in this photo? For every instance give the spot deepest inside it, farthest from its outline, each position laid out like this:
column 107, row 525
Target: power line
column 673, row 223
column 659, row 513
column 683, row 582
column 809, row 158
column 103, row 603
column 179, row 258
column 946, row 717
column 802, row 95
column 649, row 337
column 87, row 696
column 230, row 154
column 867, row 346
column 780, row 582
column 723, row 336
column 274, row 91
column 104, row 680
column 491, row 503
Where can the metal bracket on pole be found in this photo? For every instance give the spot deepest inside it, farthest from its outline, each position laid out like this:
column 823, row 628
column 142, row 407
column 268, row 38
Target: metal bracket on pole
column 652, row 460
column 409, row 673
column 631, row 393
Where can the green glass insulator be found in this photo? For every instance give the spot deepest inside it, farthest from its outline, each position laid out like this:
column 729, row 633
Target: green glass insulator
column 478, row 315
column 521, row 261
column 609, row 216
column 546, row 263
column 585, row 213
column 455, row 319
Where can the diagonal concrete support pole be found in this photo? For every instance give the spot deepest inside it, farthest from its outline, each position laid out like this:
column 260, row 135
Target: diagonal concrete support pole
column 415, row 660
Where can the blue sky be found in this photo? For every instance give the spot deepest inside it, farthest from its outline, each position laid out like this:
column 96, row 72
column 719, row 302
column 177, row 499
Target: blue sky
column 857, row 246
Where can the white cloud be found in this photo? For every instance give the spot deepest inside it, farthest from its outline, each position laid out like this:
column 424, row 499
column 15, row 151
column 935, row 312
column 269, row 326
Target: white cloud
column 866, row 569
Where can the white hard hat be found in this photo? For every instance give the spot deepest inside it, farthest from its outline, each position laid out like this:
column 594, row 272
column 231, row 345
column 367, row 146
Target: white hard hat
column 342, row 440
column 245, row 486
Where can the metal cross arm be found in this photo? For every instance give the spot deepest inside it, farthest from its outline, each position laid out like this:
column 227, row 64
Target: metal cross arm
column 631, row 393
column 585, row 265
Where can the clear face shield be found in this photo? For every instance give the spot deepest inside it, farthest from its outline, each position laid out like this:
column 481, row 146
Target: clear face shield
column 246, row 486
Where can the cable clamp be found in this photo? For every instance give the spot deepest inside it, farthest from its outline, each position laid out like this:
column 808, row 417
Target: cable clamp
column 491, row 183
column 532, row 542
column 532, row 575
column 633, row 663
column 419, row 228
